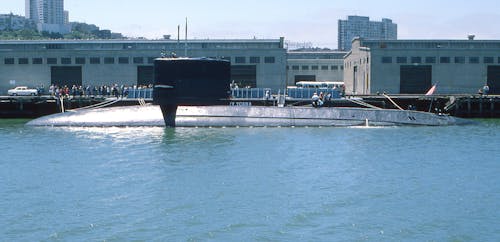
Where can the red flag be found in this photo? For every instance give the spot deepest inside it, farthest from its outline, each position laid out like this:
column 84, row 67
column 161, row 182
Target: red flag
column 431, row 91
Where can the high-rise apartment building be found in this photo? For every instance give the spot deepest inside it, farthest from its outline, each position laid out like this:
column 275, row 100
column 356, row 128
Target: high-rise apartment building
column 49, row 15
column 359, row 26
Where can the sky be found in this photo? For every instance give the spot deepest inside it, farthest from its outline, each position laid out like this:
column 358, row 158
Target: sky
column 312, row 21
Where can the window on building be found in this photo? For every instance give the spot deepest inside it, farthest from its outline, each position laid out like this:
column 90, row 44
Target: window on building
column 80, row 60
column 51, row 61
column 401, row 59
column 37, row 61
column 474, row 60
column 444, row 59
column 109, row 60
column 335, row 68
column 341, row 67
column 430, row 59
column 305, row 68
column 498, row 61
column 53, row 46
column 123, row 60
column 416, row 59
column 23, row 61
column 315, row 68
column 138, row 60
column 66, row 61
column 459, row 59
column 386, row 59
column 95, row 60
column 239, row 60
column 324, row 68
column 254, row 59
column 9, row 61
column 295, row 68
column 488, row 60
column 269, row 59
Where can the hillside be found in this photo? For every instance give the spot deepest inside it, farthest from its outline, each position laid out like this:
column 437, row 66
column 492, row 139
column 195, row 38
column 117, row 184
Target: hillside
column 79, row 31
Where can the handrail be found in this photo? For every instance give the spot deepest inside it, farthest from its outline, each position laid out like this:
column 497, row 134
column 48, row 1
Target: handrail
column 359, row 102
column 392, row 101
column 97, row 105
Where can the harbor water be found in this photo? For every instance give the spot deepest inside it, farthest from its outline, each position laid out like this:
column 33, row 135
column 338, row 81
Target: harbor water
column 250, row 184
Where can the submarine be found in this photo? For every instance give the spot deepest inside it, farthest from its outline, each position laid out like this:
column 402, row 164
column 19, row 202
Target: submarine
column 195, row 92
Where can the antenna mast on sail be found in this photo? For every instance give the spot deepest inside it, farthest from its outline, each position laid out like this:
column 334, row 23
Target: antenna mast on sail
column 185, row 42
column 178, row 36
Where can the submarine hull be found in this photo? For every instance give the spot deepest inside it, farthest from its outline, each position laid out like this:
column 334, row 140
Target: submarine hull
column 245, row 116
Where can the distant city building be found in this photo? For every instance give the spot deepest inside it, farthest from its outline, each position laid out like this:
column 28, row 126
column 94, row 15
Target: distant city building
column 413, row 66
column 49, row 15
column 359, row 26
column 66, row 17
column 14, row 22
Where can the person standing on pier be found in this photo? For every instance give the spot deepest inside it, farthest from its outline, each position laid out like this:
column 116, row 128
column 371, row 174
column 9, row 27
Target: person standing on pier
column 486, row 89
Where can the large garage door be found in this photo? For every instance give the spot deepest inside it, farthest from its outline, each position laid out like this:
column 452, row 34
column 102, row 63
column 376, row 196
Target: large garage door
column 66, row 75
column 145, row 75
column 244, row 76
column 494, row 79
column 415, row 79
column 301, row 78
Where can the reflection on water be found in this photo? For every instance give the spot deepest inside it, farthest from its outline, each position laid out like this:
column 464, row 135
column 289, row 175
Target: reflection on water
column 115, row 134
column 174, row 141
column 148, row 115
column 194, row 136
column 169, row 136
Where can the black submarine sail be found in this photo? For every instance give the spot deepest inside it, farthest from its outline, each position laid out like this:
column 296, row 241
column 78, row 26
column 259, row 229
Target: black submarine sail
column 189, row 82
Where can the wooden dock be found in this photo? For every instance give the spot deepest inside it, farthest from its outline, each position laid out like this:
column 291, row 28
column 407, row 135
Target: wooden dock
column 476, row 107
column 465, row 106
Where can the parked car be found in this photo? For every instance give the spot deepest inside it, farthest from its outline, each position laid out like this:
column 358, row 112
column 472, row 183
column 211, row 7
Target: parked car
column 22, row 91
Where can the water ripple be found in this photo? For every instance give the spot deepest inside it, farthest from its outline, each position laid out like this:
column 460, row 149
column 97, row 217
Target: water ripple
column 270, row 184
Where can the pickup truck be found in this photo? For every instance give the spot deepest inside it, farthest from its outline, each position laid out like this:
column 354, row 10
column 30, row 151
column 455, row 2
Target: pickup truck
column 22, row 91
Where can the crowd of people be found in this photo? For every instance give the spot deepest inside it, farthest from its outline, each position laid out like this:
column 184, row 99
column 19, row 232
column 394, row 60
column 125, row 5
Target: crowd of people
column 319, row 100
column 92, row 91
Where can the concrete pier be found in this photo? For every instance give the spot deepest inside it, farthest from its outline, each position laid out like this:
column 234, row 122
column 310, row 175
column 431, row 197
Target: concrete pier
column 465, row 106
column 37, row 106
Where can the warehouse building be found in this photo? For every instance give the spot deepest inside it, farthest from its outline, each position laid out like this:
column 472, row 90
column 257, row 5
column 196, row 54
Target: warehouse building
column 254, row 63
column 413, row 66
column 315, row 66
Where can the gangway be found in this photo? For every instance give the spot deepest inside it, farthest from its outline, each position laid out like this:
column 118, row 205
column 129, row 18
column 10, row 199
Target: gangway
column 106, row 103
